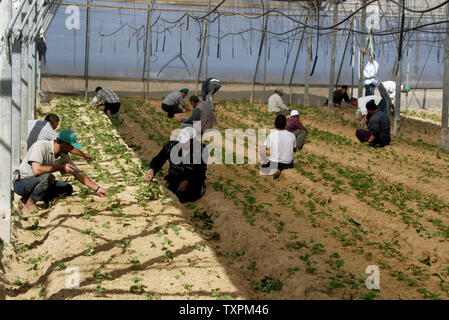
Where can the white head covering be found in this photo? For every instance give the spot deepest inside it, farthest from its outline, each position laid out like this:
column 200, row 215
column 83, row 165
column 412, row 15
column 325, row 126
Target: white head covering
column 186, row 134
column 294, row 113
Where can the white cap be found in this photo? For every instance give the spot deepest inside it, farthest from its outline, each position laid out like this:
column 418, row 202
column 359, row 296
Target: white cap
column 186, row 134
column 294, row 113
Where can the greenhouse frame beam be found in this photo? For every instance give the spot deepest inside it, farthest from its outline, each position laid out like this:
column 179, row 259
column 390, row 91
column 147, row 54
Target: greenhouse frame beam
column 86, row 51
column 25, row 20
column 5, row 128
column 344, row 54
column 44, row 19
column 362, row 51
column 147, row 44
column 16, row 93
column 308, row 62
column 330, row 104
column 206, row 63
column 290, row 84
column 397, row 99
column 12, row 22
column 24, row 98
column 445, row 109
column 258, row 60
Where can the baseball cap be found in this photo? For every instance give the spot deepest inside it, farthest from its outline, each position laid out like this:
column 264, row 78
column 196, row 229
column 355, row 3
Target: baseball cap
column 186, row 135
column 69, row 136
column 185, row 90
column 294, row 113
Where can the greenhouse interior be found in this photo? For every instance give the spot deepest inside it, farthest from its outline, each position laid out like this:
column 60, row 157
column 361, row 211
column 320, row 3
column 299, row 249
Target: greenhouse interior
column 224, row 150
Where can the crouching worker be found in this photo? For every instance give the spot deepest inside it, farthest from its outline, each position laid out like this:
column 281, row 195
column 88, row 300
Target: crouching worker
column 172, row 102
column 201, row 112
column 187, row 171
column 295, row 126
column 34, row 180
column 109, row 99
column 378, row 133
column 282, row 145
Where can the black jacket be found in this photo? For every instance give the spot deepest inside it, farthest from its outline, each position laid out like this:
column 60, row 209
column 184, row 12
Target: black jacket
column 190, row 168
column 379, row 126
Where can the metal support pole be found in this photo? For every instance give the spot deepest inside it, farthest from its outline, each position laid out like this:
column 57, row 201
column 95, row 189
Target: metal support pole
column 258, row 60
column 296, row 62
column 407, row 100
column 330, row 105
column 86, row 51
column 31, row 71
column 207, row 44
column 344, row 55
column 397, row 99
column 309, row 60
column 445, row 111
column 265, row 60
column 397, row 103
column 353, row 64
column 16, row 53
column 144, row 93
column 24, row 117
column 362, row 52
column 203, row 48
column 5, row 128
column 149, row 54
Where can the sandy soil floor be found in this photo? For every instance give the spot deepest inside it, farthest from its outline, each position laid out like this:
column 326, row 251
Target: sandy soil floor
column 309, row 235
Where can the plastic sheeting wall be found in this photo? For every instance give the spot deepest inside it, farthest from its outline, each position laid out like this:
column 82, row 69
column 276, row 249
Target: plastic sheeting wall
column 117, row 44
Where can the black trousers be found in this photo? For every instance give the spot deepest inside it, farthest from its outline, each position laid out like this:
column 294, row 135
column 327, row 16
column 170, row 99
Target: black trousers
column 171, row 110
column 193, row 192
column 276, row 165
column 42, row 188
column 112, row 107
column 364, row 135
column 369, row 89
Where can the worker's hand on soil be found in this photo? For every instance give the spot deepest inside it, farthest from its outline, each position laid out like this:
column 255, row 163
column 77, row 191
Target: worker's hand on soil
column 102, row 192
column 183, row 185
column 149, row 175
column 68, row 168
column 87, row 157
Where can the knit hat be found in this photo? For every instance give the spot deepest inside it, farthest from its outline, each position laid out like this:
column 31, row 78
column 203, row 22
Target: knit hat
column 371, row 105
column 407, row 88
column 185, row 90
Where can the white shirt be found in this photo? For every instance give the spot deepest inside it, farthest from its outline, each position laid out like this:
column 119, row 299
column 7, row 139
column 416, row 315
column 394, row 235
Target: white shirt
column 40, row 130
column 370, row 72
column 276, row 104
column 281, row 144
column 362, row 101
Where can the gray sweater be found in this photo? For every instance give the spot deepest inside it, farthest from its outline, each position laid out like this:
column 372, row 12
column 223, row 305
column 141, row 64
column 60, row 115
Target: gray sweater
column 202, row 112
column 174, row 99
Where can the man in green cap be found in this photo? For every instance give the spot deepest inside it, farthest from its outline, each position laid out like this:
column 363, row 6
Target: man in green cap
column 171, row 102
column 387, row 90
column 35, row 181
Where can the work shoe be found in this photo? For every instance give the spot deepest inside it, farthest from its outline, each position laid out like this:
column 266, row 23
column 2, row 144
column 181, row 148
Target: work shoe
column 45, row 183
column 277, row 174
